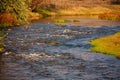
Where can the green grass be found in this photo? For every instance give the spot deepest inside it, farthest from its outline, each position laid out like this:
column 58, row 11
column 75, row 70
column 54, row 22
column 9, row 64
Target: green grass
column 3, row 25
column 107, row 45
column 61, row 21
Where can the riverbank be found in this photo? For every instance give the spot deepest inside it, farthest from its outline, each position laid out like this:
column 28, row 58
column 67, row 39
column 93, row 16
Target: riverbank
column 108, row 45
column 107, row 12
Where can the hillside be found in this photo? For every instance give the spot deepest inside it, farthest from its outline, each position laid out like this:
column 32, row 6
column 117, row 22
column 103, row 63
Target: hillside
column 72, row 3
column 76, row 7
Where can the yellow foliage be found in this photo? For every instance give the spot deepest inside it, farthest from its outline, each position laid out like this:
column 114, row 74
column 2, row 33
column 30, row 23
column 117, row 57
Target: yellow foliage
column 34, row 16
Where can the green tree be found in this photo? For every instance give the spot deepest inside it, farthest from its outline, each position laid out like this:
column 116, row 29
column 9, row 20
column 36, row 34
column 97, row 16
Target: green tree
column 17, row 10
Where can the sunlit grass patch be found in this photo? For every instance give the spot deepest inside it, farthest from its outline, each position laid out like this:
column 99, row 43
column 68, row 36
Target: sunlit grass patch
column 61, row 21
column 107, row 45
column 65, row 21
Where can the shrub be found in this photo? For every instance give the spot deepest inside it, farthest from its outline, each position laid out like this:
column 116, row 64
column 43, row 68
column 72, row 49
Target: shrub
column 13, row 11
column 110, row 16
column 8, row 19
column 3, row 26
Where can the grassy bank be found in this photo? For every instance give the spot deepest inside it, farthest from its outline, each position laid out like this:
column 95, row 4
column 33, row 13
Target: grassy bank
column 107, row 45
column 105, row 12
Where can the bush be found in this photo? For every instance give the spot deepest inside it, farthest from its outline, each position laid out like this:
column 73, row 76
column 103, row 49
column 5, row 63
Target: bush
column 8, row 19
column 13, row 12
column 110, row 16
column 2, row 26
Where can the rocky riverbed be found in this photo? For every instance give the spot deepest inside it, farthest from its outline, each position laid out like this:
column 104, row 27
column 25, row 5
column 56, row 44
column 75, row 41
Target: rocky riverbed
column 49, row 52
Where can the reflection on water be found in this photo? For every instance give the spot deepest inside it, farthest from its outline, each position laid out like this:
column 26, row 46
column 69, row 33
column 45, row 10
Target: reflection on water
column 83, row 21
column 2, row 36
column 1, row 66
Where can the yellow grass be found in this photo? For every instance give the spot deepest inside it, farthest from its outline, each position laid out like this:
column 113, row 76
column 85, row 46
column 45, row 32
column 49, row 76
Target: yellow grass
column 84, row 11
column 108, row 45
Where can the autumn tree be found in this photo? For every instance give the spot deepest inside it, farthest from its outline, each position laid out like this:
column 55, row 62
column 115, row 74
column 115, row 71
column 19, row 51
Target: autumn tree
column 14, row 12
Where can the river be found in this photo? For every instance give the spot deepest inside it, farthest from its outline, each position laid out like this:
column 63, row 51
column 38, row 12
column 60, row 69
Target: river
column 43, row 50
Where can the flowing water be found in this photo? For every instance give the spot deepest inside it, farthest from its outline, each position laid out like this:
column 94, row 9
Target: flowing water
column 45, row 51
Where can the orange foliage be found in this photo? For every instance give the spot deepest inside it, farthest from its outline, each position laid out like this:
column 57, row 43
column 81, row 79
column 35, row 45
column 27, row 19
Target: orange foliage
column 34, row 16
column 8, row 18
column 110, row 16
column 36, row 4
